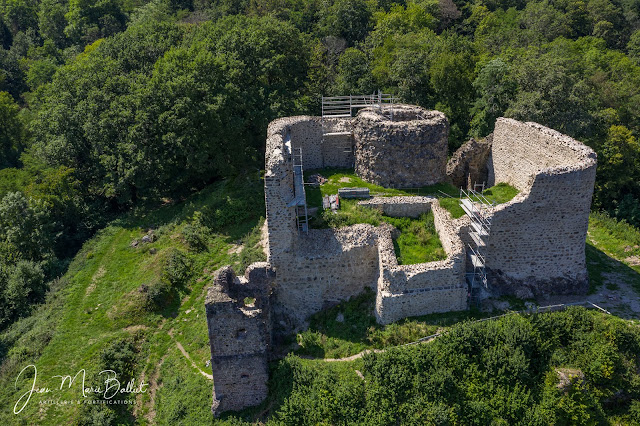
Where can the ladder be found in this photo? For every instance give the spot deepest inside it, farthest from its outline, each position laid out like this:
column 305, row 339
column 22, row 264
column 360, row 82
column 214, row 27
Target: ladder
column 299, row 201
column 477, row 207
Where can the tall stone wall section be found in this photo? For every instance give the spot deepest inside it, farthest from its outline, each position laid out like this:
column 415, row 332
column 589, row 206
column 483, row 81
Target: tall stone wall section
column 410, row 151
column 537, row 241
column 325, row 267
column 240, row 337
column 424, row 288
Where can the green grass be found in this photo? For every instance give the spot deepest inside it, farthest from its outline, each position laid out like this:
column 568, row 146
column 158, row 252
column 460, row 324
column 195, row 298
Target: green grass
column 418, row 241
column 327, row 337
column 610, row 246
column 350, row 179
column 101, row 300
column 343, row 178
column 500, row 193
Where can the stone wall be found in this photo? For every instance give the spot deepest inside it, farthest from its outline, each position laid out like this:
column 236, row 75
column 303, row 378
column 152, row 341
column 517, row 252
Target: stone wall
column 325, row 267
column 424, row 288
column 401, row 153
column 306, row 132
column 537, row 241
column 400, row 206
column 240, row 337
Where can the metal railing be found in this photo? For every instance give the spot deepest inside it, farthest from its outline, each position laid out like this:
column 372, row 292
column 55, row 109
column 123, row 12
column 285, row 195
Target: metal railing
column 344, row 106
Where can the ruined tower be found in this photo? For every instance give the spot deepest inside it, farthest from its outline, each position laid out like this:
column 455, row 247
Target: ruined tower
column 238, row 317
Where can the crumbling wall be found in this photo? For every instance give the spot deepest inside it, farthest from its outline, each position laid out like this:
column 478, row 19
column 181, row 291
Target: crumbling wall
column 240, row 337
column 424, row 288
column 278, row 189
column 325, row 267
column 410, row 151
column 537, row 241
column 408, row 206
column 468, row 165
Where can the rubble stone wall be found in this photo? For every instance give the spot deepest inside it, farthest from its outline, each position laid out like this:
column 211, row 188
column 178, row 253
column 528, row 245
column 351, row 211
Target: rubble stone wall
column 468, row 165
column 401, row 153
column 239, row 337
column 325, row 267
column 423, row 288
column 537, row 241
column 400, row 206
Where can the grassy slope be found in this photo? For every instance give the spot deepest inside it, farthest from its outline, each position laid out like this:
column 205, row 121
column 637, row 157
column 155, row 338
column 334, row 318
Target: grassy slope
column 611, row 248
column 97, row 303
column 91, row 306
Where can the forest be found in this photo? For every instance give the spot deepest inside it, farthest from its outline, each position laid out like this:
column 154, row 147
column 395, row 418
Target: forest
column 113, row 106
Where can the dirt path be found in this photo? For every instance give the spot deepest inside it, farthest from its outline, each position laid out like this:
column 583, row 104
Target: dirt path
column 153, row 389
column 186, row 355
column 353, row 357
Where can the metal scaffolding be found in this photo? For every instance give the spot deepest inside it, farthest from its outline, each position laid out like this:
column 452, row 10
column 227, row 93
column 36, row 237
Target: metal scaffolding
column 299, row 201
column 345, row 107
column 478, row 208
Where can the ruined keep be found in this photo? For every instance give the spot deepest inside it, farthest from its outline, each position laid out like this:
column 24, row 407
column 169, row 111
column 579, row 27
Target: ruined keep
column 536, row 244
column 408, row 151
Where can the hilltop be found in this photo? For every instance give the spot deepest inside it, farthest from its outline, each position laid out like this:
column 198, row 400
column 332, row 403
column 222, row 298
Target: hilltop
column 140, row 306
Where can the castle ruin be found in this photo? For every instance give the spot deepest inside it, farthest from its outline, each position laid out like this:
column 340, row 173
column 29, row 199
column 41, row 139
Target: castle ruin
column 536, row 245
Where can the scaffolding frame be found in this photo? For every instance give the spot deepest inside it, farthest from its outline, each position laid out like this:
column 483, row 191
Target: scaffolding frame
column 299, row 200
column 345, row 106
column 478, row 208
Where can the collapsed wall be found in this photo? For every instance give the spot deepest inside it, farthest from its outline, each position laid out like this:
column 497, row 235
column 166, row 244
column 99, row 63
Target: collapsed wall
column 468, row 165
column 537, row 240
column 408, row 151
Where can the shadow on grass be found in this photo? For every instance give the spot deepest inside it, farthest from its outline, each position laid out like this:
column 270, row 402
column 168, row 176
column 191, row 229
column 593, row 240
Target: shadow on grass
column 599, row 264
column 350, row 327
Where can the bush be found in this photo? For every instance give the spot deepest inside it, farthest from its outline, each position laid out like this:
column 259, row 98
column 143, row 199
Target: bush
column 194, row 237
column 157, row 295
column 21, row 286
column 176, row 269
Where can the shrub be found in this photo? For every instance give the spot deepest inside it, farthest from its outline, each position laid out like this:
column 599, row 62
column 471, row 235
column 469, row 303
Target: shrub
column 194, row 237
column 176, row 269
column 157, row 295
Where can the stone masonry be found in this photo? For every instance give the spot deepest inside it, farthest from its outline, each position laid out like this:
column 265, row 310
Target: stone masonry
column 468, row 165
column 240, row 336
column 537, row 241
column 408, row 152
column 536, row 244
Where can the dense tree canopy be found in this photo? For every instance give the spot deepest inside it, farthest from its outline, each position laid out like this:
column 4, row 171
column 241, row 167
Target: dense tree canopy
column 105, row 105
